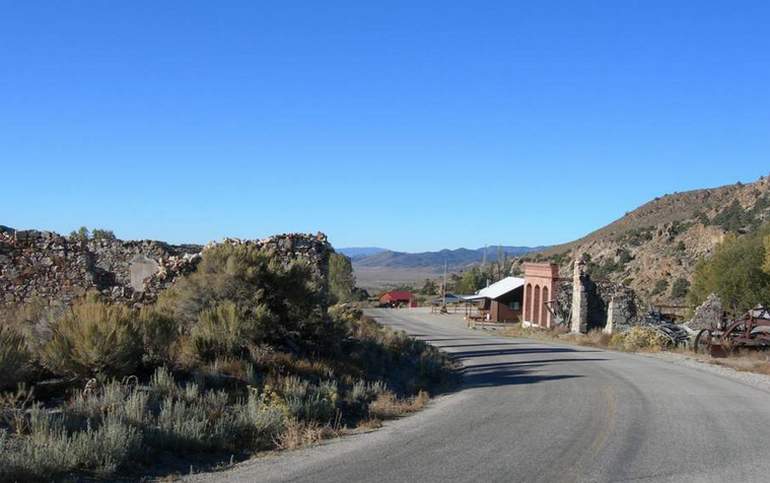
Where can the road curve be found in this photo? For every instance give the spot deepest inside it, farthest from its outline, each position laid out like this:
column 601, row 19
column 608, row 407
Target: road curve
column 533, row 411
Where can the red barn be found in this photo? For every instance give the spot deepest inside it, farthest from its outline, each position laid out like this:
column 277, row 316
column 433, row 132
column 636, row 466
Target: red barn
column 397, row 298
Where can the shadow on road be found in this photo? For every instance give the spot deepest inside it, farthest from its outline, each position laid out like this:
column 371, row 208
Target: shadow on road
column 511, row 377
column 479, row 345
column 512, row 352
column 514, row 372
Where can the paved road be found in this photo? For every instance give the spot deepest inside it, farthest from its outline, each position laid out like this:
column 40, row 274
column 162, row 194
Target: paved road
column 531, row 411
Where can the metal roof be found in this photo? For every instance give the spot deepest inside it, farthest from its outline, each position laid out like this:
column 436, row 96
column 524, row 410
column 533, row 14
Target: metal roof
column 498, row 289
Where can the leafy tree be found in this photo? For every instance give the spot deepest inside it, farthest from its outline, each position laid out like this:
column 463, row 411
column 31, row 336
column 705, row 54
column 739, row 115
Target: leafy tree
column 766, row 266
column 342, row 282
column 470, row 281
column 100, row 234
column 81, row 234
column 429, row 287
column 735, row 273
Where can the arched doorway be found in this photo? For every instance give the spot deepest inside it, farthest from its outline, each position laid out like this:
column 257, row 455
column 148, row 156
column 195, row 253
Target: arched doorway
column 544, row 310
column 536, row 306
column 528, row 303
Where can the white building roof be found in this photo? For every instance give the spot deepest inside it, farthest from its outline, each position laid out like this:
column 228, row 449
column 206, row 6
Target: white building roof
column 498, row 289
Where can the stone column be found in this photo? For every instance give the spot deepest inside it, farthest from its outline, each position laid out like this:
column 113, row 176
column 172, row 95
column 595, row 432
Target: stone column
column 579, row 322
column 609, row 327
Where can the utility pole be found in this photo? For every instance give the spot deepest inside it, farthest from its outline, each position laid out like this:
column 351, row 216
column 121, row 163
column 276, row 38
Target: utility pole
column 444, row 290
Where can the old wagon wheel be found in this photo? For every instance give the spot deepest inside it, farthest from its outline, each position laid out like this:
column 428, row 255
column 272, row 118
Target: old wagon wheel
column 702, row 342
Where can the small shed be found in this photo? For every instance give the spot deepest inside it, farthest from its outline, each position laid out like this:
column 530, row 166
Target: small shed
column 397, row 298
column 502, row 300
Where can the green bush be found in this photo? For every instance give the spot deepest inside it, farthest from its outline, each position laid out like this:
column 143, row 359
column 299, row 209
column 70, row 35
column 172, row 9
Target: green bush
column 734, row 272
column 160, row 333
column 679, row 288
column 282, row 302
column 660, row 287
column 342, row 282
column 225, row 330
column 94, row 339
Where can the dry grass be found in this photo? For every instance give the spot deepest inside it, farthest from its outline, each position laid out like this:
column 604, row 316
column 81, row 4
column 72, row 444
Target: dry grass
column 757, row 362
column 638, row 339
column 299, row 434
column 388, row 406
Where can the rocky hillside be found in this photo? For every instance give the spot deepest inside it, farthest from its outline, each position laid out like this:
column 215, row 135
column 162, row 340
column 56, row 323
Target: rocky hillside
column 654, row 249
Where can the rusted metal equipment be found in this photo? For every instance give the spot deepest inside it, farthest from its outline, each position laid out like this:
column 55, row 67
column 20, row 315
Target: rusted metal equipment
column 752, row 331
column 675, row 333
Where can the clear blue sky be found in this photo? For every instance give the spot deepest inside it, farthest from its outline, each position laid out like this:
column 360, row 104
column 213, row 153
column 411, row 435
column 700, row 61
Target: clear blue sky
column 409, row 125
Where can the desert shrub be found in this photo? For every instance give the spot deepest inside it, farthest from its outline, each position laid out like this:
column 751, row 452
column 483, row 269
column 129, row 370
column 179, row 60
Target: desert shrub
column 310, row 402
column 660, row 287
column 679, row 288
column 639, row 338
column 159, row 333
column 267, row 414
column 209, row 422
column 15, row 358
column 624, row 256
column 225, row 330
column 94, row 338
column 50, row 450
column 733, row 217
column 283, row 302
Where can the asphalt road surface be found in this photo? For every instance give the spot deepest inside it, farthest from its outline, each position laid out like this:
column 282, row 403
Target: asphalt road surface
column 533, row 411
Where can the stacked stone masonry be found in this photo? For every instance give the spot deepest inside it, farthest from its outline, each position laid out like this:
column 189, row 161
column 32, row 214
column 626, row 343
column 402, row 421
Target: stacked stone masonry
column 45, row 265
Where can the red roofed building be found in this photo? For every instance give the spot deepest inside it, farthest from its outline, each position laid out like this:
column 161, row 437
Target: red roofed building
column 397, row 298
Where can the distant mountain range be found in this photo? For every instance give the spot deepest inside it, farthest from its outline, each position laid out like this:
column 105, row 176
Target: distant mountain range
column 355, row 253
column 459, row 258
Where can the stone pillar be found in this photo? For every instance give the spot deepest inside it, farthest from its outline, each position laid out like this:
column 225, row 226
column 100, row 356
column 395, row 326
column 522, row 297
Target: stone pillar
column 579, row 322
column 611, row 310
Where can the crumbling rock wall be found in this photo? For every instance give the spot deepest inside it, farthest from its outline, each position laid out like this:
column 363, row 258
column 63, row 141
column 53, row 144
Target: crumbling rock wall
column 597, row 304
column 48, row 266
column 708, row 314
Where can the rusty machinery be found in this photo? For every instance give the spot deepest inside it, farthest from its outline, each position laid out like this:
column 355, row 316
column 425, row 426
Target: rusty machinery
column 752, row 331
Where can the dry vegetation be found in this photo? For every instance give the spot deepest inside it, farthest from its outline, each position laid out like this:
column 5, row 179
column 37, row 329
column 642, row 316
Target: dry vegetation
column 240, row 356
column 636, row 339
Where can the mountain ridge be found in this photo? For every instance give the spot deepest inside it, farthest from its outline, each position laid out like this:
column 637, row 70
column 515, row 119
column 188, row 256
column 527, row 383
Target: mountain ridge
column 435, row 260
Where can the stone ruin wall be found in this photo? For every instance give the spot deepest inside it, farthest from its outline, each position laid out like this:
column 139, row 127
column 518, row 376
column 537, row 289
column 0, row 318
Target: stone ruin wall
column 598, row 305
column 45, row 265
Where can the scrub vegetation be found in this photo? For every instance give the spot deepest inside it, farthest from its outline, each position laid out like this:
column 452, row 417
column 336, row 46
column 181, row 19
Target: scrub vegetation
column 238, row 357
column 738, row 271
